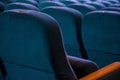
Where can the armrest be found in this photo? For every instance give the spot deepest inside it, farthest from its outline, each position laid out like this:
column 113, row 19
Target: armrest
column 102, row 72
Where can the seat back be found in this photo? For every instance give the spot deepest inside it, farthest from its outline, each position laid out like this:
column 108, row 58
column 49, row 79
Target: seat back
column 68, row 2
column 97, row 5
column 70, row 23
column 50, row 3
column 33, row 2
column 116, row 5
column 112, row 9
column 106, row 3
column 7, row 1
column 83, row 8
column 31, row 47
column 101, row 36
column 20, row 5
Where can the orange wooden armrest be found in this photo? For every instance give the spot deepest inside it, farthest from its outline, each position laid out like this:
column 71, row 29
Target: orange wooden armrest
column 102, row 72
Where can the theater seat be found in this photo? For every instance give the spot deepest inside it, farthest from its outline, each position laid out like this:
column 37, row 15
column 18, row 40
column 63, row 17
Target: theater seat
column 20, row 5
column 100, row 33
column 70, row 23
column 68, row 2
column 106, row 3
column 50, row 3
column 112, row 9
column 113, row 1
column 83, row 8
column 32, row 2
column 28, row 40
column 116, row 5
column 34, row 50
column 7, row 1
column 97, row 5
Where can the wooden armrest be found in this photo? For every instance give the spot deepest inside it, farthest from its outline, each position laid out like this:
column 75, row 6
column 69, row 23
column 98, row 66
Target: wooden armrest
column 102, row 72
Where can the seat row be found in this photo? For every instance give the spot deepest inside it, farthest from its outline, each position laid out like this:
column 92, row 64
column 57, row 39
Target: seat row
column 76, row 39
column 32, row 47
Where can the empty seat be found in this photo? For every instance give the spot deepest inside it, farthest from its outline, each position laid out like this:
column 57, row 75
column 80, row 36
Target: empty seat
column 83, row 8
column 113, row 1
column 20, row 5
column 68, row 2
column 116, row 5
column 97, row 5
column 33, row 2
column 84, row 1
column 106, row 3
column 70, row 23
column 31, row 47
column 50, row 3
column 7, row 1
column 34, row 50
column 112, row 9
column 101, row 36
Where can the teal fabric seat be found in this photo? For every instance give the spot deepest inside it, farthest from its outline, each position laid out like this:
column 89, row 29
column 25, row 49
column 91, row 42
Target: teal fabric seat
column 84, row 1
column 112, row 9
column 20, row 5
column 113, row 1
column 97, row 5
column 70, row 23
column 83, row 8
column 106, row 3
column 68, row 2
column 50, row 3
column 31, row 47
column 116, row 5
column 7, row 1
column 33, row 2
column 101, row 36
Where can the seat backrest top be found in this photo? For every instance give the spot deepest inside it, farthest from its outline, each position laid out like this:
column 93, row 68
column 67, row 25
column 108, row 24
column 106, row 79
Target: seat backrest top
column 83, row 8
column 100, row 31
column 50, row 3
column 32, row 40
column 20, row 5
column 70, row 23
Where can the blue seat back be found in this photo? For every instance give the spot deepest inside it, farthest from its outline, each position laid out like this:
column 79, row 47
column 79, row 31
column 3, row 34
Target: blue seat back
column 70, row 23
column 97, row 5
column 31, row 46
column 50, row 3
column 83, row 8
column 20, row 5
column 68, row 2
column 33, row 2
column 101, row 36
column 112, row 9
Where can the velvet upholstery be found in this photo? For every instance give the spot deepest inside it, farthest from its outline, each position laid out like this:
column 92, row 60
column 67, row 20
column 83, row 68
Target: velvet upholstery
column 97, row 5
column 50, row 3
column 33, row 2
column 68, row 2
column 31, row 47
column 112, row 9
column 83, row 8
column 100, row 33
column 21, row 5
column 70, row 24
